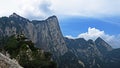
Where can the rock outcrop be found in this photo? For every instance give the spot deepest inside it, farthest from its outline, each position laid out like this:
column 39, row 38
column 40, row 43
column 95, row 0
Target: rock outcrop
column 6, row 62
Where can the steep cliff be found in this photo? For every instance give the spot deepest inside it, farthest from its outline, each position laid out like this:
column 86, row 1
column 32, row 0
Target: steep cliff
column 49, row 36
column 45, row 34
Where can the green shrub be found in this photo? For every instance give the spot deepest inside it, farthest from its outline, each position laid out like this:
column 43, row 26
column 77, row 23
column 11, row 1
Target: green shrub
column 27, row 54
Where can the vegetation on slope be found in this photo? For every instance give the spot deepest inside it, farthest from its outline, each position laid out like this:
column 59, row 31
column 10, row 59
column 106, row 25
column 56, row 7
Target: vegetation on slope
column 28, row 56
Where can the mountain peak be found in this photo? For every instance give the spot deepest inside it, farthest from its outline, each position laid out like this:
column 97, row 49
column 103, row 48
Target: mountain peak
column 99, row 38
column 51, row 17
column 14, row 15
column 101, row 41
column 103, row 46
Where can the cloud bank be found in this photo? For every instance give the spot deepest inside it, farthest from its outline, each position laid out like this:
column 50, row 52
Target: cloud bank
column 86, row 7
column 35, row 8
column 44, row 8
column 89, row 8
column 94, row 33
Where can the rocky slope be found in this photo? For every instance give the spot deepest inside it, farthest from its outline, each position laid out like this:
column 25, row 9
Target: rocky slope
column 112, row 59
column 102, row 46
column 21, row 49
column 86, row 51
column 6, row 62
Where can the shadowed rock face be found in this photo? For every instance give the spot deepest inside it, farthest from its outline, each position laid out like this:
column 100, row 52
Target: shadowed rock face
column 86, row 51
column 102, row 46
column 93, row 54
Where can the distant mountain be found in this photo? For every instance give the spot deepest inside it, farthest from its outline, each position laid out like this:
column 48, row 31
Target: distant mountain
column 68, row 53
column 86, row 51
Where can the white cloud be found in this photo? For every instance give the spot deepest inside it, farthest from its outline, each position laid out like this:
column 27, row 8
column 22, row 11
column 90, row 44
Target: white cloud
column 35, row 9
column 31, row 9
column 86, row 7
column 7, row 7
column 44, row 8
column 70, row 37
column 94, row 33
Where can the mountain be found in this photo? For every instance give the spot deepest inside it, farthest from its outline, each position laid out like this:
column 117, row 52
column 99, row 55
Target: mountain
column 67, row 53
column 85, row 50
column 45, row 34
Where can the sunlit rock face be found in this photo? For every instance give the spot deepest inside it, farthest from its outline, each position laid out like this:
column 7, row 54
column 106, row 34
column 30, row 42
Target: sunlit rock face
column 49, row 35
column 46, row 34
column 6, row 62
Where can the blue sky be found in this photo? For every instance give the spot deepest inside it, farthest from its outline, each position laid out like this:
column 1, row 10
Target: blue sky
column 77, row 25
column 88, row 19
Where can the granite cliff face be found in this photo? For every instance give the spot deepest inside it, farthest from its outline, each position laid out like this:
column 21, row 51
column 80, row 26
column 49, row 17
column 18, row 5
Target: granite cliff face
column 49, row 36
column 45, row 34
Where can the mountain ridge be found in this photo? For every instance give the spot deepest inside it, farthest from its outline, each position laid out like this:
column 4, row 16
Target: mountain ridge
column 46, row 34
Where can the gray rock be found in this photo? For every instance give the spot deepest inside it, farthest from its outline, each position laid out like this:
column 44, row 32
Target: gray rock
column 6, row 62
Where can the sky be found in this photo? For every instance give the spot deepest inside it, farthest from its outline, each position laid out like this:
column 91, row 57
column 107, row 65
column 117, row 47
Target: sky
column 87, row 19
